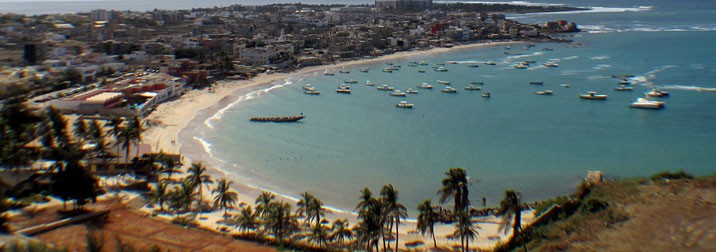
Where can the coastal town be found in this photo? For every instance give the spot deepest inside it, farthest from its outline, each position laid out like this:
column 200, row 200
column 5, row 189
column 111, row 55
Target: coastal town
column 93, row 103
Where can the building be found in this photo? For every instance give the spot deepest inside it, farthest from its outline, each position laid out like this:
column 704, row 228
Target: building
column 403, row 5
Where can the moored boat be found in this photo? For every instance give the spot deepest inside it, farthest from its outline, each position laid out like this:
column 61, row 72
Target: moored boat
column 308, row 87
column 536, row 82
column 645, row 103
column 425, row 86
column 443, row 82
column 477, row 83
column 472, row 87
column 421, row 71
column 521, row 65
column 351, row 81
column 368, row 83
column 486, row 94
column 344, row 72
column 411, row 91
column 544, row 92
column 564, row 85
column 551, row 64
column 657, row 93
column 312, row 92
column 623, row 88
column 473, row 65
column 364, row 70
column 277, row 118
column 397, row 93
column 490, row 63
column 591, row 95
column 385, row 88
column 404, row 104
column 449, row 89
column 441, row 69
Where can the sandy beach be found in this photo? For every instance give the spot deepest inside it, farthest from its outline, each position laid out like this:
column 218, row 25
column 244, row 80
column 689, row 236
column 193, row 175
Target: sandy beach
column 170, row 118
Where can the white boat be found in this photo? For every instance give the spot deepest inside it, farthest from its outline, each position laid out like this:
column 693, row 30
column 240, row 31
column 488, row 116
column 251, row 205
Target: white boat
column 368, row 83
column 308, row 87
column 385, row 88
column 397, row 93
column 443, row 82
column 473, row 65
column 412, row 65
column 343, row 90
column 490, row 63
column 645, row 103
column 486, row 94
column 564, row 85
column 544, row 92
column 449, row 89
column 591, row 95
column 521, row 65
column 411, row 91
column 425, row 86
column 472, row 87
column 312, row 92
column 404, row 104
column 657, row 93
column 351, row 81
column 623, row 88
column 423, row 63
column 624, row 82
column 551, row 64
column 441, row 69
column 365, row 69
column 388, row 70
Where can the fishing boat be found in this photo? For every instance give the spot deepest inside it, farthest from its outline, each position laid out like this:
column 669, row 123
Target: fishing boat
column 368, row 83
column 397, row 93
column 472, row 87
column 443, row 82
column 544, row 92
column 308, row 87
column 385, row 88
column 645, row 103
column 351, row 81
column 623, row 88
column 425, row 86
column 344, row 89
column 449, row 89
column 591, row 95
column 312, row 92
column 278, row 118
column 411, row 91
column 536, row 82
column 486, row 94
column 404, row 104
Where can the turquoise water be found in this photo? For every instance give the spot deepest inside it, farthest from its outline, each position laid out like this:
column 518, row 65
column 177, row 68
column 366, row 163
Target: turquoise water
column 540, row 145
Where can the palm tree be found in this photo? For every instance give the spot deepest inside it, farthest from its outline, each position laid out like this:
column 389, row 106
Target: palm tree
column 225, row 198
column 465, row 229
column 181, row 198
column 370, row 227
column 394, row 211
column 319, row 235
column 263, row 202
column 304, row 207
column 170, row 165
column 279, row 220
column 340, row 231
column 365, row 200
column 198, row 177
column 511, row 211
column 159, row 195
column 80, row 129
column 94, row 131
column 427, row 217
column 134, row 130
column 455, row 186
column 248, row 220
column 115, row 125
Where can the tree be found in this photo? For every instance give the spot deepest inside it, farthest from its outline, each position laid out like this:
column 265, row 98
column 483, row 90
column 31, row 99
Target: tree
column 80, row 129
column 115, row 129
column 511, row 211
column 304, row 206
column 279, row 220
column 465, row 229
column 248, row 220
column 455, row 186
column 372, row 218
column 181, row 198
column 427, row 217
column 394, row 211
column 263, row 202
column 198, row 177
column 159, row 195
column 74, row 183
column 170, row 165
column 135, row 130
column 340, row 231
column 225, row 198
column 319, row 235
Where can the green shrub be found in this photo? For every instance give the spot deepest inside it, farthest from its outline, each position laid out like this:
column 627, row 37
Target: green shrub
column 680, row 174
column 593, row 205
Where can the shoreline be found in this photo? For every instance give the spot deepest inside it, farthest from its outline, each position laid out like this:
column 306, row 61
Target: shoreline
column 178, row 119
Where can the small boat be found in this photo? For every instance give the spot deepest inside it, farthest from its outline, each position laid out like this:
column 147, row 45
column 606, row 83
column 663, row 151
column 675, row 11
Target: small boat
column 312, row 92
column 344, row 72
column 385, row 88
column 490, row 63
column 397, row 93
column 351, row 81
column 473, row 65
column 453, row 62
column 277, row 119
column 443, row 82
column 308, row 87
column 441, row 69
column 624, row 82
column 477, row 83
column 657, row 93
column 564, row 85
column 527, row 62
column 551, row 64
column 411, row 91
column 421, row 71
column 521, row 65
column 425, row 86
column 423, row 63
column 623, row 88
column 472, row 87
column 364, row 70
column 536, row 82
column 707, row 89
column 591, row 95
column 645, row 103
column 388, row 70
column 544, row 92
column 440, row 64
column 547, row 49
column 486, row 94
column 449, row 89
column 368, row 83
column 412, row 65
column 328, row 74
column 508, row 47
column 343, row 91
column 404, row 104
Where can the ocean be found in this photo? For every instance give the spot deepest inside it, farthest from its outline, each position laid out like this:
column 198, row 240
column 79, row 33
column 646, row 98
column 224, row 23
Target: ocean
column 540, row 145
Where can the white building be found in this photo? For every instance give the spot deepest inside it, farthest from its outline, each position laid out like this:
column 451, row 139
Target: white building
column 256, row 56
